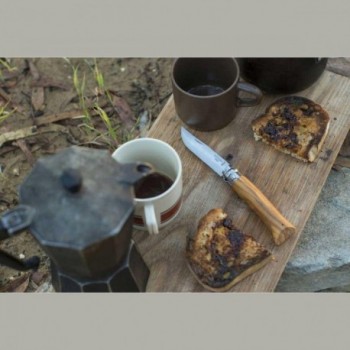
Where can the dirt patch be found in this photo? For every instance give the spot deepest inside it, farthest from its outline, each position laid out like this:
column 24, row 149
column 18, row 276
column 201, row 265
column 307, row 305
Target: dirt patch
column 130, row 91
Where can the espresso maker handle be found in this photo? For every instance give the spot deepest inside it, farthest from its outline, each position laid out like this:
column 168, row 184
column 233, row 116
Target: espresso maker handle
column 11, row 261
column 12, row 222
column 15, row 220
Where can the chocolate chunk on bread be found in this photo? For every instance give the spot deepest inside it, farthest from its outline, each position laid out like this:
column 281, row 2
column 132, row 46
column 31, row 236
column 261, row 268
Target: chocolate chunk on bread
column 293, row 125
column 220, row 255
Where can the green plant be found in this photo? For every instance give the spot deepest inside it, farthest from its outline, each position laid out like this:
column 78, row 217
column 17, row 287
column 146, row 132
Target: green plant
column 6, row 65
column 99, row 79
column 80, row 89
column 101, row 84
column 103, row 115
column 4, row 114
column 95, row 106
column 101, row 91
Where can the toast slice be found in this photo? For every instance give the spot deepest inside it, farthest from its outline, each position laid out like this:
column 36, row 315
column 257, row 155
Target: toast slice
column 220, row 255
column 293, row 125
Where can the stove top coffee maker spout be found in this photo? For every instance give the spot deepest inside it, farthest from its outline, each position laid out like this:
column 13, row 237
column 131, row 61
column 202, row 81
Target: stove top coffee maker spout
column 79, row 205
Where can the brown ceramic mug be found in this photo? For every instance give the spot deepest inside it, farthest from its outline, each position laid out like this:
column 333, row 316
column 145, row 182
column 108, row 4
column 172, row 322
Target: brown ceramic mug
column 206, row 92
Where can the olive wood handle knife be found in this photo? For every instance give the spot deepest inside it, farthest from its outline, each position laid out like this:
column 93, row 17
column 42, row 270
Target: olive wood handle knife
column 279, row 226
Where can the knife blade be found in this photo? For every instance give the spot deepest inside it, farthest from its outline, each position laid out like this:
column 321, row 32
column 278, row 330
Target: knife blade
column 281, row 229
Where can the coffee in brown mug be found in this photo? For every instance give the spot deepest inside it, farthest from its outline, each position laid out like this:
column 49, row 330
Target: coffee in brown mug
column 206, row 92
column 153, row 185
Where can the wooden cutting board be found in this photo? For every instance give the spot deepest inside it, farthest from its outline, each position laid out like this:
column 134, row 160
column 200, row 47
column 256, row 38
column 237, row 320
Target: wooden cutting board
column 293, row 186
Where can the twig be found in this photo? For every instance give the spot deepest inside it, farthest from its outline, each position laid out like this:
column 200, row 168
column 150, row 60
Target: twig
column 30, row 131
column 94, row 143
column 7, row 150
column 48, row 119
column 22, row 144
column 11, row 75
column 9, row 84
column 4, row 95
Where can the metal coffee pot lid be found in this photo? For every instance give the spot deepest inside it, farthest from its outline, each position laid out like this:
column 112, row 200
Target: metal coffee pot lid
column 83, row 202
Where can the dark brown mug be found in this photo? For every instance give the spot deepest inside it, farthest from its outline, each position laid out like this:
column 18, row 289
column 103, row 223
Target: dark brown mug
column 206, row 92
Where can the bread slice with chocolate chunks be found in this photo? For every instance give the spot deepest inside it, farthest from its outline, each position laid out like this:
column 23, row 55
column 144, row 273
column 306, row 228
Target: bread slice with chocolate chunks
column 293, row 125
column 220, row 255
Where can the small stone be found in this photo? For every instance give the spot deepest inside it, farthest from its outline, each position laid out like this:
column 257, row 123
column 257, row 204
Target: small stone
column 15, row 171
column 22, row 256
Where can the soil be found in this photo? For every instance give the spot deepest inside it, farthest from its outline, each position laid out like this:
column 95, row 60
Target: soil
column 132, row 93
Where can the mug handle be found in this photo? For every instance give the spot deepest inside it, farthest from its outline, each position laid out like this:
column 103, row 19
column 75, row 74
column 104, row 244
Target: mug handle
column 151, row 220
column 251, row 89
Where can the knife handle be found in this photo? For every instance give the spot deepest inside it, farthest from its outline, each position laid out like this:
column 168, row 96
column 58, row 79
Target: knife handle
column 280, row 227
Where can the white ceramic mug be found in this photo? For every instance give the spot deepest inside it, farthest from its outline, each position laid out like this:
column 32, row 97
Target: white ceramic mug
column 155, row 212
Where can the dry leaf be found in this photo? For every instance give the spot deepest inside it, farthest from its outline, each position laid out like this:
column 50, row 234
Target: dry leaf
column 8, row 100
column 38, row 277
column 38, row 98
column 18, row 285
column 49, row 82
column 33, row 70
column 124, row 111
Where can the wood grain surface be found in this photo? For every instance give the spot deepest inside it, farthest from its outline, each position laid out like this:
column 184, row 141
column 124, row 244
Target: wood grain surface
column 291, row 185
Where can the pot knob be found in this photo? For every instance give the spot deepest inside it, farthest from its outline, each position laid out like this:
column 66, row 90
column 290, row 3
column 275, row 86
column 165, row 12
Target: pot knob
column 71, row 180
